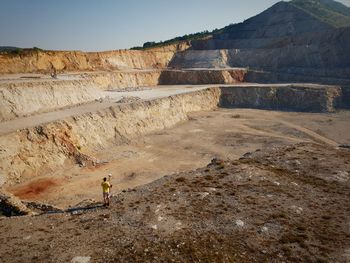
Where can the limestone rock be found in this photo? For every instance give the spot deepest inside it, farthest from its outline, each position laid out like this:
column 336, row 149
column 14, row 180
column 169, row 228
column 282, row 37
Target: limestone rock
column 12, row 206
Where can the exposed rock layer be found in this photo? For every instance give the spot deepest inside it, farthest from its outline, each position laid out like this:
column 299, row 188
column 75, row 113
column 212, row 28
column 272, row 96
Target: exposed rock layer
column 282, row 40
column 48, row 146
column 76, row 138
column 293, row 98
column 16, row 97
column 17, row 100
column 86, row 61
column 197, row 77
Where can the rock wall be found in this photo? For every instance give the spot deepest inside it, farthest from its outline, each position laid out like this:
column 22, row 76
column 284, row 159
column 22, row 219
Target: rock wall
column 297, row 63
column 45, row 61
column 295, row 59
column 197, row 77
column 309, row 98
column 200, row 59
column 123, row 79
column 316, row 55
column 332, row 77
column 17, row 100
column 283, row 40
column 43, row 148
column 36, row 150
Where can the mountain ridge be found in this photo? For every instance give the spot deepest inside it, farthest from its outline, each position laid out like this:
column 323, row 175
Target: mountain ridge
column 329, row 13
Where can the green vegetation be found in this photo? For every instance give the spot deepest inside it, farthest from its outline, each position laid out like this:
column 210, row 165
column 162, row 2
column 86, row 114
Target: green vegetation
column 5, row 49
column 329, row 11
column 16, row 51
column 336, row 6
column 196, row 36
column 37, row 49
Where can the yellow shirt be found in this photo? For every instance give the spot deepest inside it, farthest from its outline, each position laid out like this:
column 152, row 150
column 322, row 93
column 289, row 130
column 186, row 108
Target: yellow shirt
column 105, row 187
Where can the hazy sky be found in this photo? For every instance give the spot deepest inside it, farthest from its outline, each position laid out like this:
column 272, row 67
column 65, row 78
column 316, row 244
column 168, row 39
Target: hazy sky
column 115, row 24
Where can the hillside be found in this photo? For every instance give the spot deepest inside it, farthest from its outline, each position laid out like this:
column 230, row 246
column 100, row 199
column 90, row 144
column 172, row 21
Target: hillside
column 282, row 205
column 285, row 43
column 280, row 20
column 302, row 16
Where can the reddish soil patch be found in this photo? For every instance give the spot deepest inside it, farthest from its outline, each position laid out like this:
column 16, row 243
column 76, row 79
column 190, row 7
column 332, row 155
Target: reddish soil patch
column 34, row 188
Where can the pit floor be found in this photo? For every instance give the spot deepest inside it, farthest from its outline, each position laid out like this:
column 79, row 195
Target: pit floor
column 224, row 133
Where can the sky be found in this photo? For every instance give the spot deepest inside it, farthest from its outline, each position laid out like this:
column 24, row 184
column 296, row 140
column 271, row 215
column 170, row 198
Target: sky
column 96, row 25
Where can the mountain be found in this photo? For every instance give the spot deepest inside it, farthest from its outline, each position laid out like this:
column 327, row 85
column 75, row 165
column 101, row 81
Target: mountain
column 270, row 28
column 285, row 43
column 283, row 19
column 283, row 24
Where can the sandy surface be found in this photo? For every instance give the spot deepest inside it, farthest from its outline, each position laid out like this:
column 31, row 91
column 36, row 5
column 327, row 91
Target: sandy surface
column 223, row 133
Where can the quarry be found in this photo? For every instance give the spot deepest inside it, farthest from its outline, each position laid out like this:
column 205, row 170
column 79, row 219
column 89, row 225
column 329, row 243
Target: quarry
column 233, row 148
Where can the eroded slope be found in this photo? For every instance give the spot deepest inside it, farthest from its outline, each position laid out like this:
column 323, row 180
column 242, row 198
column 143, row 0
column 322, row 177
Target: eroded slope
column 288, row 204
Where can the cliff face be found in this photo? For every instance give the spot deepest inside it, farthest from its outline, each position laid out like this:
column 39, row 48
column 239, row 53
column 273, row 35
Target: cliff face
column 325, row 54
column 283, row 39
column 45, row 61
column 292, row 97
column 198, row 77
column 34, row 150
column 31, row 151
column 17, row 100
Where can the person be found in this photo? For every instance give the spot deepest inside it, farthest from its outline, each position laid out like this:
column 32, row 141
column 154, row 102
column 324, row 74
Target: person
column 54, row 73
column 106, row 187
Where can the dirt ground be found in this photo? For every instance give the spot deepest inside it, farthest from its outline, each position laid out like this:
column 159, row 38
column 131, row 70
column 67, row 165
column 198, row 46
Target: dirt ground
column 278, row 204
column 224, row 133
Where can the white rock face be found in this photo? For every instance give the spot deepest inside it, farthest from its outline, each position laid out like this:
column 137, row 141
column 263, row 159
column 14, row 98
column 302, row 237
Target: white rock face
column 80, row 259
column 16, row 96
